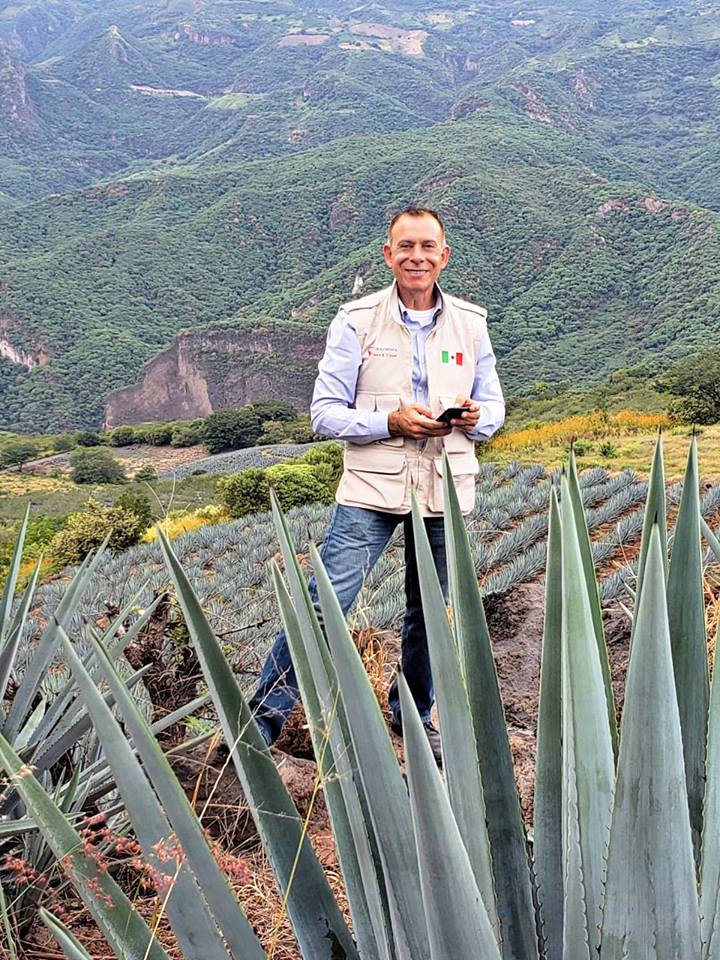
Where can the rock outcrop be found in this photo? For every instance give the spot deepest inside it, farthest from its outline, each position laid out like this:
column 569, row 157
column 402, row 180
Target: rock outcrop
column 214, row 369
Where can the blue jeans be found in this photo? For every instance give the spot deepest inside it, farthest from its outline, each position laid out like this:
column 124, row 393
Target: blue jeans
column 354, row 541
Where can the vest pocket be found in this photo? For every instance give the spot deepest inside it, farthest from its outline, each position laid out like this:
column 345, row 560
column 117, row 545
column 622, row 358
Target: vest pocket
column 463, row 466
column 387, row 402
column 374, row 478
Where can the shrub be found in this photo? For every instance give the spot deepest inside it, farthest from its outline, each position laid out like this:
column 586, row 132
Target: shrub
column 187, row 434
column 296, row 484
column 95, row 466
column 246, row 492
column 17, row 452
column 88, row 438
column 302, row 431
column 232, row 429
column 275, row 410
column 133, row 501
column 327, row 460
column 608, row 449
column 276, row 431
column 85, row 531
column 146, row 474
column 159, row 435
column 62, row 443
column 122, row 437
column 583, row 447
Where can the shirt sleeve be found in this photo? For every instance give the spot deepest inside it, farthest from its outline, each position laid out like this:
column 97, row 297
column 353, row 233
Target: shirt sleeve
column 487, row 392
column 332, row 411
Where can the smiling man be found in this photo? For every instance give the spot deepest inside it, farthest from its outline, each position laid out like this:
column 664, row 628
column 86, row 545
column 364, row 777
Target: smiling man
column 394, row 360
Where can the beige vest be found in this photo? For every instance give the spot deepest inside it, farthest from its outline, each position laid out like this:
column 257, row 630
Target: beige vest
column 382, row 474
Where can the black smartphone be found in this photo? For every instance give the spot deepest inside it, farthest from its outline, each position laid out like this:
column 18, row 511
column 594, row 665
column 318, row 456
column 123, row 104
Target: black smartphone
column 452, row 413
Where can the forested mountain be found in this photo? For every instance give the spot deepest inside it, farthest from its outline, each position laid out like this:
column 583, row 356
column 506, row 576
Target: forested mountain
column 171, row 164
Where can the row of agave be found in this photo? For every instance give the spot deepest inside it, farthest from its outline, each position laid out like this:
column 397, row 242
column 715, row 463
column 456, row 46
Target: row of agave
column 229, row 569
column 439, row 868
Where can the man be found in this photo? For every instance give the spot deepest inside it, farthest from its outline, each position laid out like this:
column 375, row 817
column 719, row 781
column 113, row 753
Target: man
column 394, row 360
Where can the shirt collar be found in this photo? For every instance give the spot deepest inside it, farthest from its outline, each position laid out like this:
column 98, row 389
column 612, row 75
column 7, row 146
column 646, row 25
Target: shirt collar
column 437, row 308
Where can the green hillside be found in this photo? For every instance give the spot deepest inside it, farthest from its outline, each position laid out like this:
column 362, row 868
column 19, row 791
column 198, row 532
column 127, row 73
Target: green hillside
column 170, row 165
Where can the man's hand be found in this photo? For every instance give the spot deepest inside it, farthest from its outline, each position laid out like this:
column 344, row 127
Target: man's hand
column 470, row 418
column 417, row 422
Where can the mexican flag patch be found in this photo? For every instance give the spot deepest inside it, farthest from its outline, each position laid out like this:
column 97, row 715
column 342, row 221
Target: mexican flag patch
column 456, row 358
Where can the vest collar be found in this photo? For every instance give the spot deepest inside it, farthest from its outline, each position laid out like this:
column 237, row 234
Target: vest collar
column 392, row 305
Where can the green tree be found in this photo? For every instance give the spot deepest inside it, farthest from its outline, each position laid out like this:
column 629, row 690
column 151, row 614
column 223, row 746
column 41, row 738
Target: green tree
column 232, row 429
column 246, row 492
column 95, row 466
column 695, row 385
column 275, row 410
column 88, row 438
column 122, row 437
column 86, row 530
column 188, row 434
column 17, row 452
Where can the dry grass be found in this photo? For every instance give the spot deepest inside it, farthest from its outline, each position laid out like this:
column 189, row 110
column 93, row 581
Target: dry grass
column 632, row 447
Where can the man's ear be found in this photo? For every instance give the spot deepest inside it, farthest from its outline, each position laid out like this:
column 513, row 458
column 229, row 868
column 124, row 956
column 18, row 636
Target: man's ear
column 446, row 255
column 387, row 253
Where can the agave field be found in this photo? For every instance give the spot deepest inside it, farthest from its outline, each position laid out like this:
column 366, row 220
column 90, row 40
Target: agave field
column 623, row 859
column 228, row 566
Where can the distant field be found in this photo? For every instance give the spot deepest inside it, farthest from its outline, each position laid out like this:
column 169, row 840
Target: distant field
column 629, row 451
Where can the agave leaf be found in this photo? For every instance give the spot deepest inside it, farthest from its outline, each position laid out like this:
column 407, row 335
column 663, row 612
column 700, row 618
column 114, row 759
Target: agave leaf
column 651, row 905
column 8, row 650
column 124, row 928
column 319, row 695
column 216, row 892
column 29, row 727
column 710, row 863
column 6, row 927
column 686, row 617
column 593, row 592
column 316, row 918
column 460, row 757
column 6, row 599
column 115, row 647
column 69, row 944
column 712, row 540
column 40, row 660
column 458, row 923
column 548, row 777
column 588, row 761
column 504, row 818
column 655, row 513
column 185, row 905
column 379, row 772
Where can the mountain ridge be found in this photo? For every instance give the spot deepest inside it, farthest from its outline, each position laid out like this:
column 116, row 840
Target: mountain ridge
column 571, row 153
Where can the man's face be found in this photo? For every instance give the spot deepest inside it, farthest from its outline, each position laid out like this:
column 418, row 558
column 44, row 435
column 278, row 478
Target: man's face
column 416, row 253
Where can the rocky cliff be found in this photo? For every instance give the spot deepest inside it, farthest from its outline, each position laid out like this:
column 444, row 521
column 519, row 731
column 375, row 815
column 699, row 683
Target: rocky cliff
column 214, row 369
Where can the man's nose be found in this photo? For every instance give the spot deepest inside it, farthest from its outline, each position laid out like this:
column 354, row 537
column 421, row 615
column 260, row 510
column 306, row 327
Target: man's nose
column 417, row 255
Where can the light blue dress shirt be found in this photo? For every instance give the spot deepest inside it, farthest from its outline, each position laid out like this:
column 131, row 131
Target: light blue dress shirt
column 332, row 412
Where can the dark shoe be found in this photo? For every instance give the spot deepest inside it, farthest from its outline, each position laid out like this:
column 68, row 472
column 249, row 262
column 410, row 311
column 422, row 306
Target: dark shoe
column 431, row 732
